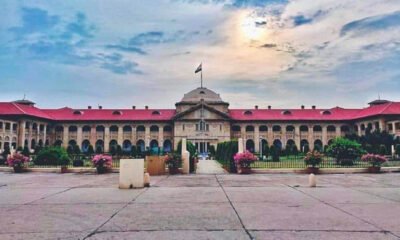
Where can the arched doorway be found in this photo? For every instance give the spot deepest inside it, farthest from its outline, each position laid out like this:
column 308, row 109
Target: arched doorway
column 127, row 146
column 278, row 144
column 140, row 146
column 154, row 146
column 318, row 145
column 250, row 145
column 167, row 146
column 304, row 146
column 85, row 146
column 99, row 146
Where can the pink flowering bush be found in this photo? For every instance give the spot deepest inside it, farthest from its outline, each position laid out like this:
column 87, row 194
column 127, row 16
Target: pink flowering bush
column 245, row 159
column 17, row 160
column 102, row 160
column 374, row 159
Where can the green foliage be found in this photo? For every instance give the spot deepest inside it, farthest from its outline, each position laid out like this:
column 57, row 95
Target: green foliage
column 38, row 149
column 372, row 141
column 90, row 150
column 397, row 149
column 382, row 150
column 99, row 149
column 212, row 150
column 134, row 151
column 119, row 150
column 345, row 150
column 189, row 146
column 265, row 150
column 76, row 149
column 70, row 149
column 113, row 150
column 313, row 158
column 26, row 151
column 64, row 160
column 19, row 149
column 275, row 153
column 51, row 156
column 306, row 148
column 225, row 153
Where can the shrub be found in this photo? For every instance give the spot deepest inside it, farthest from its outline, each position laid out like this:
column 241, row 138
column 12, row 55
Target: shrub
column 64, row 160
column 245, row 159
column 345, row 151
column 313, row 158
column 113, row 150
column 119, row 150
column 99, row 149
column 90, row 150
column 265, row 150
column 17, row 159
column 26, row 151
column 133, row 151
column 374, row 159
column 70, row 149
column 398, row 149
column 212, row 150
column 295, row 151
column 173, row 160
column 102, row 160
column 382, row 149
column 275, row 153
column 50, row 156
column 19, row 149
column 76, row 149
column 306, row 148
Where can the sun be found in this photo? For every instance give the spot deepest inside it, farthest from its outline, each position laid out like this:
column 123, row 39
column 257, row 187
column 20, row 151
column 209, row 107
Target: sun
column 249, row 29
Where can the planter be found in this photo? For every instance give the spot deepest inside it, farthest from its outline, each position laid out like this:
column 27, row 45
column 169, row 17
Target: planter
column 243, row 170
column 101, row 169
column 173, row 171
column 64, row 169
column 18, row 169
column 374, row 169
column 314, row 170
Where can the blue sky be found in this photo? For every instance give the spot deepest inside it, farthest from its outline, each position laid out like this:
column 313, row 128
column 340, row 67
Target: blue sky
column 121, row 53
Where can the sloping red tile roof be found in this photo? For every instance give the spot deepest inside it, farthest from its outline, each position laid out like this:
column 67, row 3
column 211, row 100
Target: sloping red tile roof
column 69, row 114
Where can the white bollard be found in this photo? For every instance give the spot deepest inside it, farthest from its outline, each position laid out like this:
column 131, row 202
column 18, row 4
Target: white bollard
column 312, row 180
column 147, row 180
column 131, row 173
column 186, row 162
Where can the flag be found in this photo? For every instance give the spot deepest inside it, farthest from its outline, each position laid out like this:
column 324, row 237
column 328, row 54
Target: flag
column 198, row 69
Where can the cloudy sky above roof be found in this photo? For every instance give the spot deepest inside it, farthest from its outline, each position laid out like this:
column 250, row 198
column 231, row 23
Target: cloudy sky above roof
column 254, row 52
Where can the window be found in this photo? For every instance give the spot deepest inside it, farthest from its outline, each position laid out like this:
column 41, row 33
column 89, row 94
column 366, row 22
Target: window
column 326, row 112
column 247, row 112
column 286, row 112
column 77, row 112
column 202, row 92
column 117, row 113
column 155, row 113
column 8, row 126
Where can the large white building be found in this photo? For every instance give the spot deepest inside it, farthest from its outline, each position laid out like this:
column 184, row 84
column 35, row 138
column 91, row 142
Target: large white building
column 201, row 116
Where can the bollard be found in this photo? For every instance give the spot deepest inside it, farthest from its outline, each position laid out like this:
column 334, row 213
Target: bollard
column 146, row 180
column 131, row 173
column 312, row 181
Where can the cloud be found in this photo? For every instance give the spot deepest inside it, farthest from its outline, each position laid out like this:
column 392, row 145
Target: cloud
column 126, row 48
column 35, row 20
column 366, row 25
column 269, row 45
column 301, row 20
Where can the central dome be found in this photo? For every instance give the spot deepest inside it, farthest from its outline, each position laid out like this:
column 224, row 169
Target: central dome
column 201, row 93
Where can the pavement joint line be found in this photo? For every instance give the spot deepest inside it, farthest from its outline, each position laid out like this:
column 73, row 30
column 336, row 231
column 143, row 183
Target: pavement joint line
column 337, row 208
column 234, row 209
column 114, row 214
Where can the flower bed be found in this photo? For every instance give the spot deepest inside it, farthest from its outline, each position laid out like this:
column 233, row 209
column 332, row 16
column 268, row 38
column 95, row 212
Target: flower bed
column 17, row 161
column 243, row 162
column 102, row 163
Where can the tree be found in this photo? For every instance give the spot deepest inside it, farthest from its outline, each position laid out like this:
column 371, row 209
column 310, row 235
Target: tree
column 51, row 156
column 90, row 150
column 99, row 149
column 133, row 151
column 113, row 150
column 76, row 149
column 306, row 148
column 397, row 149
column 212, row 150
column 26, row 151
column 345, row 150
column 382, row 150
column 265, row 150
column 119, row 150
column 275, row 153
column 70, row 149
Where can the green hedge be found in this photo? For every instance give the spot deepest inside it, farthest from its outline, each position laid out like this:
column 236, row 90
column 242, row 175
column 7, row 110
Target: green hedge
column 225, row 153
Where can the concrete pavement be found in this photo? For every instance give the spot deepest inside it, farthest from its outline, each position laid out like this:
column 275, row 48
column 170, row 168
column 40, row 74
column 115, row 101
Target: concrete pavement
column 275, row 206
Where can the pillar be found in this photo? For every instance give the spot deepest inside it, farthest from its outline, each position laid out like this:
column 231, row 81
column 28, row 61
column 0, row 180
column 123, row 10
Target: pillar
column 311, row 136
column 21, row 133
column 120, row 138
column 324, row 136
column 93, row 136
column 256, row 138
column 283, row 136
column 161, row 136
column 106, row 138
column 338, row 130
column 45, row 134
column 147, row 136
column 79, row 136
column 297, row 135
column 65, row 136
column 29, row 135
column 270, row 135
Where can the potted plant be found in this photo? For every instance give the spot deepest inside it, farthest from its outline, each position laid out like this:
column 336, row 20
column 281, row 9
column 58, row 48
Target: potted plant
column 17, row 161
column 64, row 161
column 173, row 161
column 102, row 163
column 312, row 160
column 375, row 160
column 243, row 162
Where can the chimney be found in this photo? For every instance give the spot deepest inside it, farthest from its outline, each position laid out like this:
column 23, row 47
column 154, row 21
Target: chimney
column 256, row 107
column 133, row 107
column 313, row 107
column 146, row 107
column 302, row 106
column 89, row 107
column 269, row 106
column 100, row 107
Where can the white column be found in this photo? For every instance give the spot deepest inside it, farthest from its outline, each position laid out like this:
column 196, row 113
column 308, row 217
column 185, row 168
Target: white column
column 45, row 134
column 79, row 136
column 106, row 139
column 120, row 139
column 256, row 138
column 65, row 136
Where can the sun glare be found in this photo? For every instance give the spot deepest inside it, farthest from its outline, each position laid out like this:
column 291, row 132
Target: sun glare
column 249, row 29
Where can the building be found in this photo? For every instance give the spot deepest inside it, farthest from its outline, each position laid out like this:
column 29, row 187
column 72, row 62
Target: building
column 201, row 116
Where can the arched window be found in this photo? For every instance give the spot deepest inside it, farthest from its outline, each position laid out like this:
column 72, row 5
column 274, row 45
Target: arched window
column 72, row 129
column 99, row 146
column 85, row 146
column 286, row 112
column 278, row 144
column 276, row 128
column 317, row 128
column 59, row 129
column 345, row 128
column 86, row 128
column 247, row 112
column 326, row 112
column 127, row 146
column 236, row 128
column 289, row 128
column 114, row 128
column 78, row 112
column 303, row 128
column 127, row 128
column 140, row 145
column 249, row 128
column 304, row 146
column 167, row 128
column 156, row 113
column 154, row 128
column 140, row 128
column 167, row 146
column 100, row 128
column 318, row 145
column 263, row 128
column 118, row 113
column 331, row 128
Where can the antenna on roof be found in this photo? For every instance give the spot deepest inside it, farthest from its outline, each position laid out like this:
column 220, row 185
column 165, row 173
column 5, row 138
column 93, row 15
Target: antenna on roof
column 24, row 96
column 379, row 96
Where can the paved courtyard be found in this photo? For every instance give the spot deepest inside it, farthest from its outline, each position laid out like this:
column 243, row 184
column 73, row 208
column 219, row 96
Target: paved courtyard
column 89, row 206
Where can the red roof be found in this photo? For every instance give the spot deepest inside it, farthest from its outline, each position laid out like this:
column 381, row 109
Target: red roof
column 69, row 114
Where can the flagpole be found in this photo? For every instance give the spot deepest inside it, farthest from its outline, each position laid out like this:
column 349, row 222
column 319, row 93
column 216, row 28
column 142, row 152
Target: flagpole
column 201, row 76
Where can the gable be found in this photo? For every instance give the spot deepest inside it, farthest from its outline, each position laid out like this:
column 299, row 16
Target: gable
column 194, row 113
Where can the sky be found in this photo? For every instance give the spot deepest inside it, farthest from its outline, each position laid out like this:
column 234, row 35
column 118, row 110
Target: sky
column 120, row 53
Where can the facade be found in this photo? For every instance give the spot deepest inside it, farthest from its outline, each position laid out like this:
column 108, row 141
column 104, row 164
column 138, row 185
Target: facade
column 201, row 116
